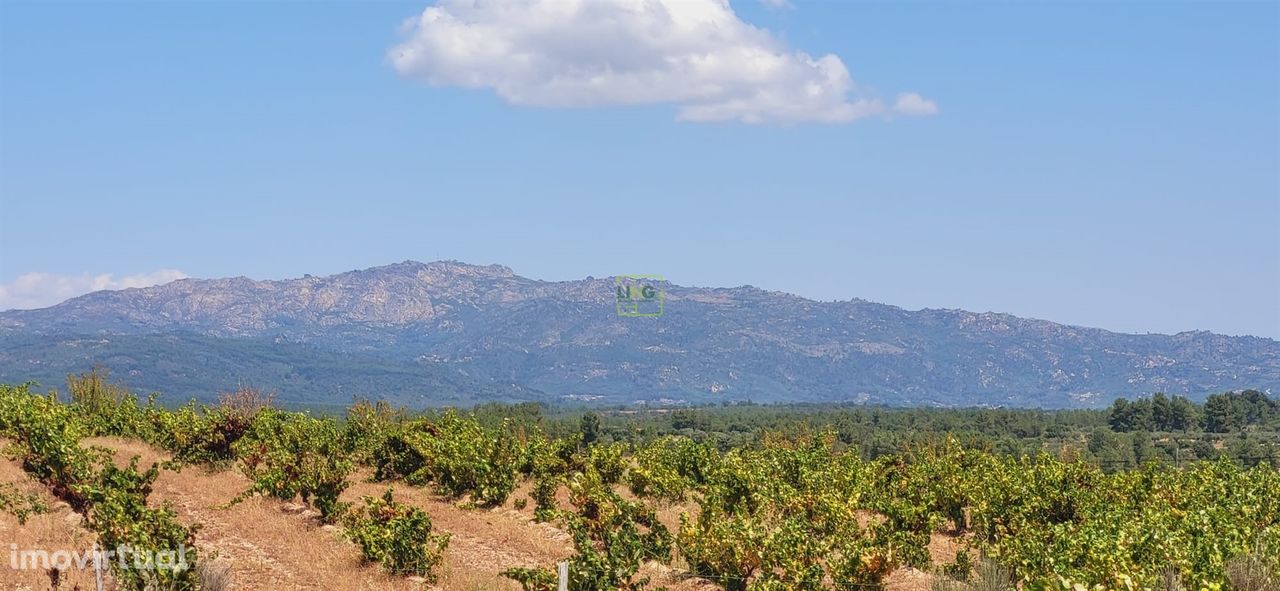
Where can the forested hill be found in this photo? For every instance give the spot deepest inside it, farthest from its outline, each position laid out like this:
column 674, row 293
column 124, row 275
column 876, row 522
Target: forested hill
column 425, row 333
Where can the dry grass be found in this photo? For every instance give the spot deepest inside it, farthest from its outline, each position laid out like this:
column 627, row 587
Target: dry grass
column 246, row 400
column 1253, row 571
column 909, row 579
column 59, row 529
column 1172, row 581
column 484, row 542
column 268, row 544
column 264, row 543
column 215, row 575
column 986, row 576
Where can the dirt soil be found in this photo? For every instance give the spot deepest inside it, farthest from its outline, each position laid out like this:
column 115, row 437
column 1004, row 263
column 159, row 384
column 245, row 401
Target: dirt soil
column 58, row 530
column 276, row 545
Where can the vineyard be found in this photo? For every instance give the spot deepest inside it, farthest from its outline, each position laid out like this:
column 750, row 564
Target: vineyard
column 797, row 510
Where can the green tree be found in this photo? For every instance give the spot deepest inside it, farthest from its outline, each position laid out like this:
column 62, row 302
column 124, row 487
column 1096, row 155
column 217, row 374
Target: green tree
column 1220, row 414
column 1183, row 415
column 1128, row 416
column 1143, row 449
column 688, row 419
column 590, row 428
column 1161, row 412
column 1109, row 449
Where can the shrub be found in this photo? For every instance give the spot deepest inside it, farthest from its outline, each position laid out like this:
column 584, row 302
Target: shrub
column 19, row 504
column 670, row 466
column 396, row 457
column 113, row 499
column 118, row 511
column 612, row 537
column 106, row 408
column 215, row 576
column 543, row 454
column 207, row 435
column 398, row 536
column 288, row 455
column 986, row 576
column 532, row 579
column 607, row 460
column 231, row 420
column 455, row 453
column 543, row 494
column 368, row 427
column 961, row 568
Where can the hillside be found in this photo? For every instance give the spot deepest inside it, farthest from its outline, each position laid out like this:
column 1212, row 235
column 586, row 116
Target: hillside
column 447, row 332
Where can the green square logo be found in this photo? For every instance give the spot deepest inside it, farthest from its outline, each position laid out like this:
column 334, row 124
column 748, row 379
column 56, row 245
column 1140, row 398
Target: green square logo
column 639, row 295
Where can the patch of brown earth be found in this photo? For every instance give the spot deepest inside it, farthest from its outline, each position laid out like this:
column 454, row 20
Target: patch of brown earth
column 58, row 530
column 270, row 544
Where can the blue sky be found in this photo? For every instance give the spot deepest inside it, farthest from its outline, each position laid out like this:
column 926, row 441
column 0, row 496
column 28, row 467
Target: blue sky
column 1111, row 165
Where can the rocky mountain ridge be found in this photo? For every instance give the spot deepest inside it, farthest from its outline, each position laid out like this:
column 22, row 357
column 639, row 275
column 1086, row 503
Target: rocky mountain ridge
column 485, row 333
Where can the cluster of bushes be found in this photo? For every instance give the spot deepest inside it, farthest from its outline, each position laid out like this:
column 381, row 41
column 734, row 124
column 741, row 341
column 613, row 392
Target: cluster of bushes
column 194, row 433
column 1044, row 518
column 612, row 538
column 784, row 515
column 398, row 536
column 292, row 455
column 785, row 512
column 113, row 500
column 547, row 460
column 453, row 452
column 669, row 467
column 286, row 455
column 1221, row 413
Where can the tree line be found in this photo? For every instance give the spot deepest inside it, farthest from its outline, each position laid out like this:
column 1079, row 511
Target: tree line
column 1227, row 412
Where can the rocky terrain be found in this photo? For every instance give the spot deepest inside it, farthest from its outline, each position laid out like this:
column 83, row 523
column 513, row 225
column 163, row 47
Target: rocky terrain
column 448, row 332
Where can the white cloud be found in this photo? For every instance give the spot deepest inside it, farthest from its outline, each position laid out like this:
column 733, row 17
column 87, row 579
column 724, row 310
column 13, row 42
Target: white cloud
column 39, row 290
column 910, row 103
column 696, row 54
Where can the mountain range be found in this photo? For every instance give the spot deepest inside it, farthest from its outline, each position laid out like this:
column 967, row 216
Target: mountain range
column 451, row 333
